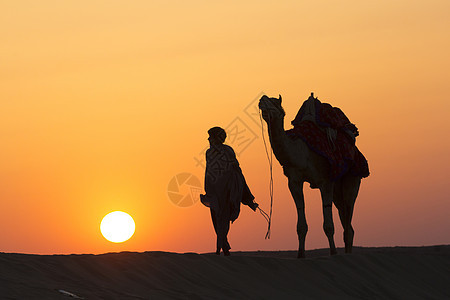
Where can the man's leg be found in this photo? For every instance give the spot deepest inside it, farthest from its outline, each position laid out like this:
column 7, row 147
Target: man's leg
column 214, row 221
column 223, row 227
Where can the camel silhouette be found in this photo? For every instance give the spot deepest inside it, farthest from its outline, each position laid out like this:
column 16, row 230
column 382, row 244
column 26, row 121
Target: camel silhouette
column 301, row 164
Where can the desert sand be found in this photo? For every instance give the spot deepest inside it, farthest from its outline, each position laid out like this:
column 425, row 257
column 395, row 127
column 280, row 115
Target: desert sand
column 368, row 273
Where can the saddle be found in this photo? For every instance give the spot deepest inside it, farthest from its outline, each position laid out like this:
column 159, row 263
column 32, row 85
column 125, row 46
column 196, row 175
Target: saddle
column 329, row 133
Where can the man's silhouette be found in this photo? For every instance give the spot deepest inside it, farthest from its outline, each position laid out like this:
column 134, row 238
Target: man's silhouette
column 225, row 187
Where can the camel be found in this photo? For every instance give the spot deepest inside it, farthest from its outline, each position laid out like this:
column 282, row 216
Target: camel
column 301, row 164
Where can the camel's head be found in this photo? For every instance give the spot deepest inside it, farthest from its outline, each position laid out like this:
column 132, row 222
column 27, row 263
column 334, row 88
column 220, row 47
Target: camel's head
column 271, row 108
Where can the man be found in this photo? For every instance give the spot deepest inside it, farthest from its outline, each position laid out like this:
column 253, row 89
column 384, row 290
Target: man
column 225, row 187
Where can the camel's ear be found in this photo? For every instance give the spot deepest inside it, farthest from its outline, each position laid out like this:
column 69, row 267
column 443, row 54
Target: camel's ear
column 279, row 97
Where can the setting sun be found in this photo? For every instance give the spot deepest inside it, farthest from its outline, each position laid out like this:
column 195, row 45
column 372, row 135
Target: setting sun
column 117, row 226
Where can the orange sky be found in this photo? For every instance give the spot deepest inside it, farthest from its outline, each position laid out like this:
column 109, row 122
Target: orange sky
column 103, row 102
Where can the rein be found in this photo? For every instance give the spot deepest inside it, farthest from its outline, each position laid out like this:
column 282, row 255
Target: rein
column 267, row 217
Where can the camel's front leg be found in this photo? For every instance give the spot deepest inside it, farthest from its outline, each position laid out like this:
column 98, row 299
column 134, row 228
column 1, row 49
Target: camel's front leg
column 328, row 226
column 296, row 188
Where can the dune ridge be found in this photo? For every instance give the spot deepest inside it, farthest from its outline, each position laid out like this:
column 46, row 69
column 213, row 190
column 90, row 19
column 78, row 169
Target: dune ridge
column 368, row 273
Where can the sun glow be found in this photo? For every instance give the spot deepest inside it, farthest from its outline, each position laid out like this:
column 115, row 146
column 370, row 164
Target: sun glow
column 117, row 227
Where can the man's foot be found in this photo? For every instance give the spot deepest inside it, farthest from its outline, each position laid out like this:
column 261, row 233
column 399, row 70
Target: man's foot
column 226, row 252
column 218, row 252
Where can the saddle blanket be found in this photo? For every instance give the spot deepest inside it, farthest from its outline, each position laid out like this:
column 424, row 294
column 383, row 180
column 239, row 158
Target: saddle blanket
column 345, row 157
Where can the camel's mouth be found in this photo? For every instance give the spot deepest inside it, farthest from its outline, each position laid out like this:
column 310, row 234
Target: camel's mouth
column 261, row 103
column 269, row 107
column 265, row 104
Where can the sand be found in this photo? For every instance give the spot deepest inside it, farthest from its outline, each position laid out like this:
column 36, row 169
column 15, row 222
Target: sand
column 368, row 273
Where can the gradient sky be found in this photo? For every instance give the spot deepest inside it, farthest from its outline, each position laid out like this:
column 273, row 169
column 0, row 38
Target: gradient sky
column 103, row 102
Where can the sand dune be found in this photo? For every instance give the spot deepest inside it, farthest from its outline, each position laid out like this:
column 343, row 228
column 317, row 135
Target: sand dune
column 369, row 273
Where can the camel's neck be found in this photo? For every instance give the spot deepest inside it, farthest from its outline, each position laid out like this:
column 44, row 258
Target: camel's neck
column 279, row 140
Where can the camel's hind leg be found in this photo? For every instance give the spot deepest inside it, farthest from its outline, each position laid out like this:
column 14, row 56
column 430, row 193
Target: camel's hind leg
column 296, row 188
column 345, row 197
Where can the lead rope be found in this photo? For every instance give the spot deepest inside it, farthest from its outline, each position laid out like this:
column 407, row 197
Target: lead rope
column 266, row 216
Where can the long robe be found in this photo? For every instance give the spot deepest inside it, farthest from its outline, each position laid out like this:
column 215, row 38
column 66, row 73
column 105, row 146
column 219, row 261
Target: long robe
column 225, row 188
